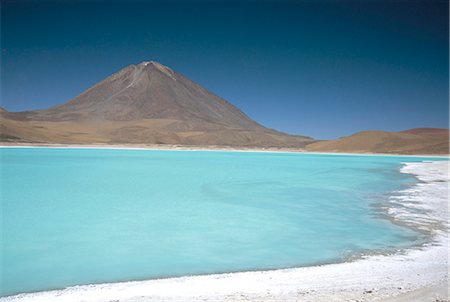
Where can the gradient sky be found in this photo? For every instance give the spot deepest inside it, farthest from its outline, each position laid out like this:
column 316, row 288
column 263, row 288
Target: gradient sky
column 318, row 68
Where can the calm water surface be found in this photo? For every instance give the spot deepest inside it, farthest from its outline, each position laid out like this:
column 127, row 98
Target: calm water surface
column 81, row 216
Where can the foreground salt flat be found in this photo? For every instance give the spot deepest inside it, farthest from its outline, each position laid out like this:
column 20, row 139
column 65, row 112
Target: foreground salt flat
column 416, row 274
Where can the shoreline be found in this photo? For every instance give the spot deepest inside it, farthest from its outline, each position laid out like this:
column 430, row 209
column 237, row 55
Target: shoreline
column 205, row 148
column 412, row 273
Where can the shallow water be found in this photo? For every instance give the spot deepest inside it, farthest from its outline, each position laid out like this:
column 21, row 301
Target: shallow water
column 80, row 216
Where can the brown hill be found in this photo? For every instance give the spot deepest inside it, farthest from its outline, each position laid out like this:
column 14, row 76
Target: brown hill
column 146, row 104
column 428, row 131
column 413, row 141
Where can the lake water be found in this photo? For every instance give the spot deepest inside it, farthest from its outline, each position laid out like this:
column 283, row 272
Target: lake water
column 81, row 216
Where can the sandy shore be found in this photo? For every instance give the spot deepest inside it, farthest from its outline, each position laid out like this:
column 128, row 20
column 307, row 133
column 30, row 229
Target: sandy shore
column 415, row 274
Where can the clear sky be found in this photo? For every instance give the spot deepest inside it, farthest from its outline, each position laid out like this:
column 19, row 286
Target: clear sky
column 318, row 68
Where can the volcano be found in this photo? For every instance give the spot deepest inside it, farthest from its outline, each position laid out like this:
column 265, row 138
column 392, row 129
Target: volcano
column 147, row 103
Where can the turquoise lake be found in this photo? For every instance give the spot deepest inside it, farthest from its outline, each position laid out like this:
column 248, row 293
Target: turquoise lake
column 82, row 216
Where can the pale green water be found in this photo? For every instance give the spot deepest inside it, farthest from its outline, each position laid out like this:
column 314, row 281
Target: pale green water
column 81, row 216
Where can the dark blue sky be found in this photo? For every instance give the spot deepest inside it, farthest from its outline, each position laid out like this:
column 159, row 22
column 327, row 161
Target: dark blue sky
column 319, row 68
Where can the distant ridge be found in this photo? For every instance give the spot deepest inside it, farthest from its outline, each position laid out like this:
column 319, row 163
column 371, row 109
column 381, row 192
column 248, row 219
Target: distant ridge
column 148, row 103
column 428, row 131
column 412, row 141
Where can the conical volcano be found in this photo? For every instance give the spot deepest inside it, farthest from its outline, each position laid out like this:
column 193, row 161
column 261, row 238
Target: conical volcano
column 147, row 103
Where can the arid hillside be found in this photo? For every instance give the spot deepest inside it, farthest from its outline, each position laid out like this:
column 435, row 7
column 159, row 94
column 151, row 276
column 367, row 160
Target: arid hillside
column 413, row 141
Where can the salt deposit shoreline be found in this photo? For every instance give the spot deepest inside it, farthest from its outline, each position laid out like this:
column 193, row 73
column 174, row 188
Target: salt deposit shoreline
column 206, row 148
column 419, row 273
